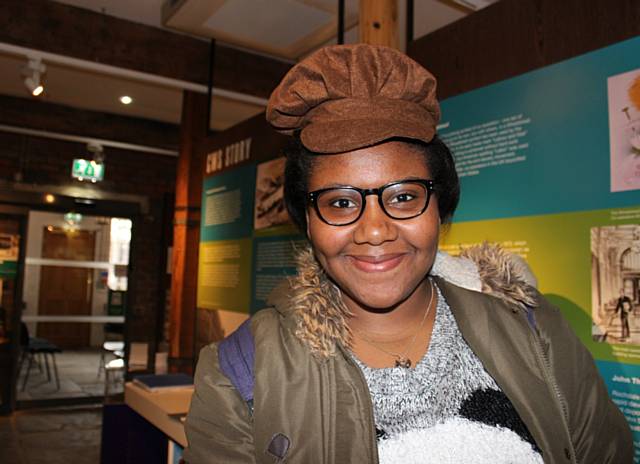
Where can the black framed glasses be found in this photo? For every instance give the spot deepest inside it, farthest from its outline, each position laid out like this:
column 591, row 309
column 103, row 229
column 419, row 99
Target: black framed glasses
column 403, row 199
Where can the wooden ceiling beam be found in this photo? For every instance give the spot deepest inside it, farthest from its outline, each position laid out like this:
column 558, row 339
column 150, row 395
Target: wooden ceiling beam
column 87, row 35
column 49, row 117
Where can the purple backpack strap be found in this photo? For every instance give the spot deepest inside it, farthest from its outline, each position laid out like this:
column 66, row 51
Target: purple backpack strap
column 531, row 318
column 236, row 355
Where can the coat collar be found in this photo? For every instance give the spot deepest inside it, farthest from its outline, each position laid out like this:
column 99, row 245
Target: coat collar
column 312, row 303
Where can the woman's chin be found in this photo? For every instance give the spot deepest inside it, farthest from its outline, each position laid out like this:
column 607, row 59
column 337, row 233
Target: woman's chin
column 379, row 301
column 383, row 296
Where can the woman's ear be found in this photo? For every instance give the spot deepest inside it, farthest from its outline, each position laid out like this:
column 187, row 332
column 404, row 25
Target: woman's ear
column 306, row 216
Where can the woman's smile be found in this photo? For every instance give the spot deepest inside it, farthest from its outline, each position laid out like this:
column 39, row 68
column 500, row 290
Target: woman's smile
column 377, row 263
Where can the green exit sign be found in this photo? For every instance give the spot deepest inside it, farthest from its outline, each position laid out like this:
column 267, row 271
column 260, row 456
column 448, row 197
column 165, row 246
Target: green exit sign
column 83, row 169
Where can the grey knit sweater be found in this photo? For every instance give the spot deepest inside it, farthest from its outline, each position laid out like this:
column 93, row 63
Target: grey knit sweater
column 449, row 385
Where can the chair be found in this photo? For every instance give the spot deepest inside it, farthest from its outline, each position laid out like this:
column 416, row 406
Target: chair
column 116, row 348
column 113, row 378
column 31, row 348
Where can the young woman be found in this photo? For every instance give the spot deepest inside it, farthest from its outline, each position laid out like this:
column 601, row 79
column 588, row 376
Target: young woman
column 382, row 349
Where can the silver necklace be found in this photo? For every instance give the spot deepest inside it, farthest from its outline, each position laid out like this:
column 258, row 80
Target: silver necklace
column 401, row 358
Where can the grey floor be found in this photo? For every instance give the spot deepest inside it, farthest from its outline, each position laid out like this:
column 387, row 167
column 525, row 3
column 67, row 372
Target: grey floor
column 51, row 436
column 78, row 373
column 68, row 434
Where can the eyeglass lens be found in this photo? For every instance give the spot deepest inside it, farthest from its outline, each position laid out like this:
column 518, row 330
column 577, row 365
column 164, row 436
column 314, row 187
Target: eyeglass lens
column 400, row 201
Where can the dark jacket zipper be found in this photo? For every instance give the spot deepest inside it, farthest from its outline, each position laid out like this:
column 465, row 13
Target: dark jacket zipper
column 545, row 366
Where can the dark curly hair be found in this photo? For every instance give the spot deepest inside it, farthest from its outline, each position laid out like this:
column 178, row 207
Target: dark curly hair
column 438, row 159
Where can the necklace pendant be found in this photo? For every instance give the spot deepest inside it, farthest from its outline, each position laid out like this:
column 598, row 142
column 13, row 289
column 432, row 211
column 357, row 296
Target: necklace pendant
column 403, row 362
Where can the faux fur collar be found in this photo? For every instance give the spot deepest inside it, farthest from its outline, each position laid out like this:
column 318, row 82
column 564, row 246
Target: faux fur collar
column 321, row 316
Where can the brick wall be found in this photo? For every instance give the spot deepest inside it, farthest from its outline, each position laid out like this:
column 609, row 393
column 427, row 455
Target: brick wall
column 511, row 37
column 46, row 162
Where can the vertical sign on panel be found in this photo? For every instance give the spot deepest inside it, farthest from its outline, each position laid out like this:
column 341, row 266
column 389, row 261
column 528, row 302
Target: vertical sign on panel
column 224, row 265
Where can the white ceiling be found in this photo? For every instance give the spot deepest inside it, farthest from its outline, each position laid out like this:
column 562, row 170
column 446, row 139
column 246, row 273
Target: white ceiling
column 429, row 14
column 239, row 22
column 284, row 28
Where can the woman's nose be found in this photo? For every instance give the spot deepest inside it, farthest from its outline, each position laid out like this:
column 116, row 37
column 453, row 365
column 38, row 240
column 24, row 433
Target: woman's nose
column 374, row 226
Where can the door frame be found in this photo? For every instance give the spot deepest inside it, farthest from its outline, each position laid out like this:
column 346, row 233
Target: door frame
column 20, row 214
column 20, row 203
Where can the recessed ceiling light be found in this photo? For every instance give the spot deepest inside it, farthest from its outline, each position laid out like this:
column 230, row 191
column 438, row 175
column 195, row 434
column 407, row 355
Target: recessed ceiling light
column 49, row 198
column 126, row 100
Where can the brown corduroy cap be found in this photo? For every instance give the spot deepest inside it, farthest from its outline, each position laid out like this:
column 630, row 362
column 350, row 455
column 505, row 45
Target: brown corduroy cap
column 346, row 97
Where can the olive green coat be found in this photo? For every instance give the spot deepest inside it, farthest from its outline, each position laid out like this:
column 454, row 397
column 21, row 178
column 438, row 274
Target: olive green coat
column 322, row 403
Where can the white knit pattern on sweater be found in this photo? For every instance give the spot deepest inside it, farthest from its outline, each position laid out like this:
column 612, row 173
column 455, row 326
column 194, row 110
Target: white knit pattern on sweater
column 457, row 441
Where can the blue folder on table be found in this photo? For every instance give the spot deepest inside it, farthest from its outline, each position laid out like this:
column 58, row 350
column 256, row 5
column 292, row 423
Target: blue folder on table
column 154, row 382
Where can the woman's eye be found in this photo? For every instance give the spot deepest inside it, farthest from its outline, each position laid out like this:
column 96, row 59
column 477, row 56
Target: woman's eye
column 343, row 203
column 402, row 198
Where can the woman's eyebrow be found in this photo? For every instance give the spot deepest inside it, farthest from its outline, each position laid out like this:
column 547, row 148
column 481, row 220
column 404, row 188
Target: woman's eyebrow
column 338, row 185
column 333, row 185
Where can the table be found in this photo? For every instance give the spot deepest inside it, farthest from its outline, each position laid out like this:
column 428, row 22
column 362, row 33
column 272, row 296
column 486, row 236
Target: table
column 161, row 408
column 146, row 428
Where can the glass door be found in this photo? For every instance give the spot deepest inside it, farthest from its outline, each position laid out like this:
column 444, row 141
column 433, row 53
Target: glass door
column 75, row 294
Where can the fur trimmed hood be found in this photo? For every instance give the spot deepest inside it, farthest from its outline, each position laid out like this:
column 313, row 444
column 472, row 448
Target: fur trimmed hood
column 321, row 316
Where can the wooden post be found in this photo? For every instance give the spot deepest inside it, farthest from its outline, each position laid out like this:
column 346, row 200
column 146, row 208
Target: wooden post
column 379, row 22
column 186, row 231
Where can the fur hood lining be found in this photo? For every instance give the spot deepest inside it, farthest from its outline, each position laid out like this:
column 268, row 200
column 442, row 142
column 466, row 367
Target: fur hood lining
column 321, row 317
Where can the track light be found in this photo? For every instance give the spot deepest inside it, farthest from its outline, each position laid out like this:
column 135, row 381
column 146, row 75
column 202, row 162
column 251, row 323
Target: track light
column 33, row 76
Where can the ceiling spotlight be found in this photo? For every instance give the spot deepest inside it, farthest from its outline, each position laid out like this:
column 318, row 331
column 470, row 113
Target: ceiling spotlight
column 49, row 198
column 126, row 100
column 33, row 76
